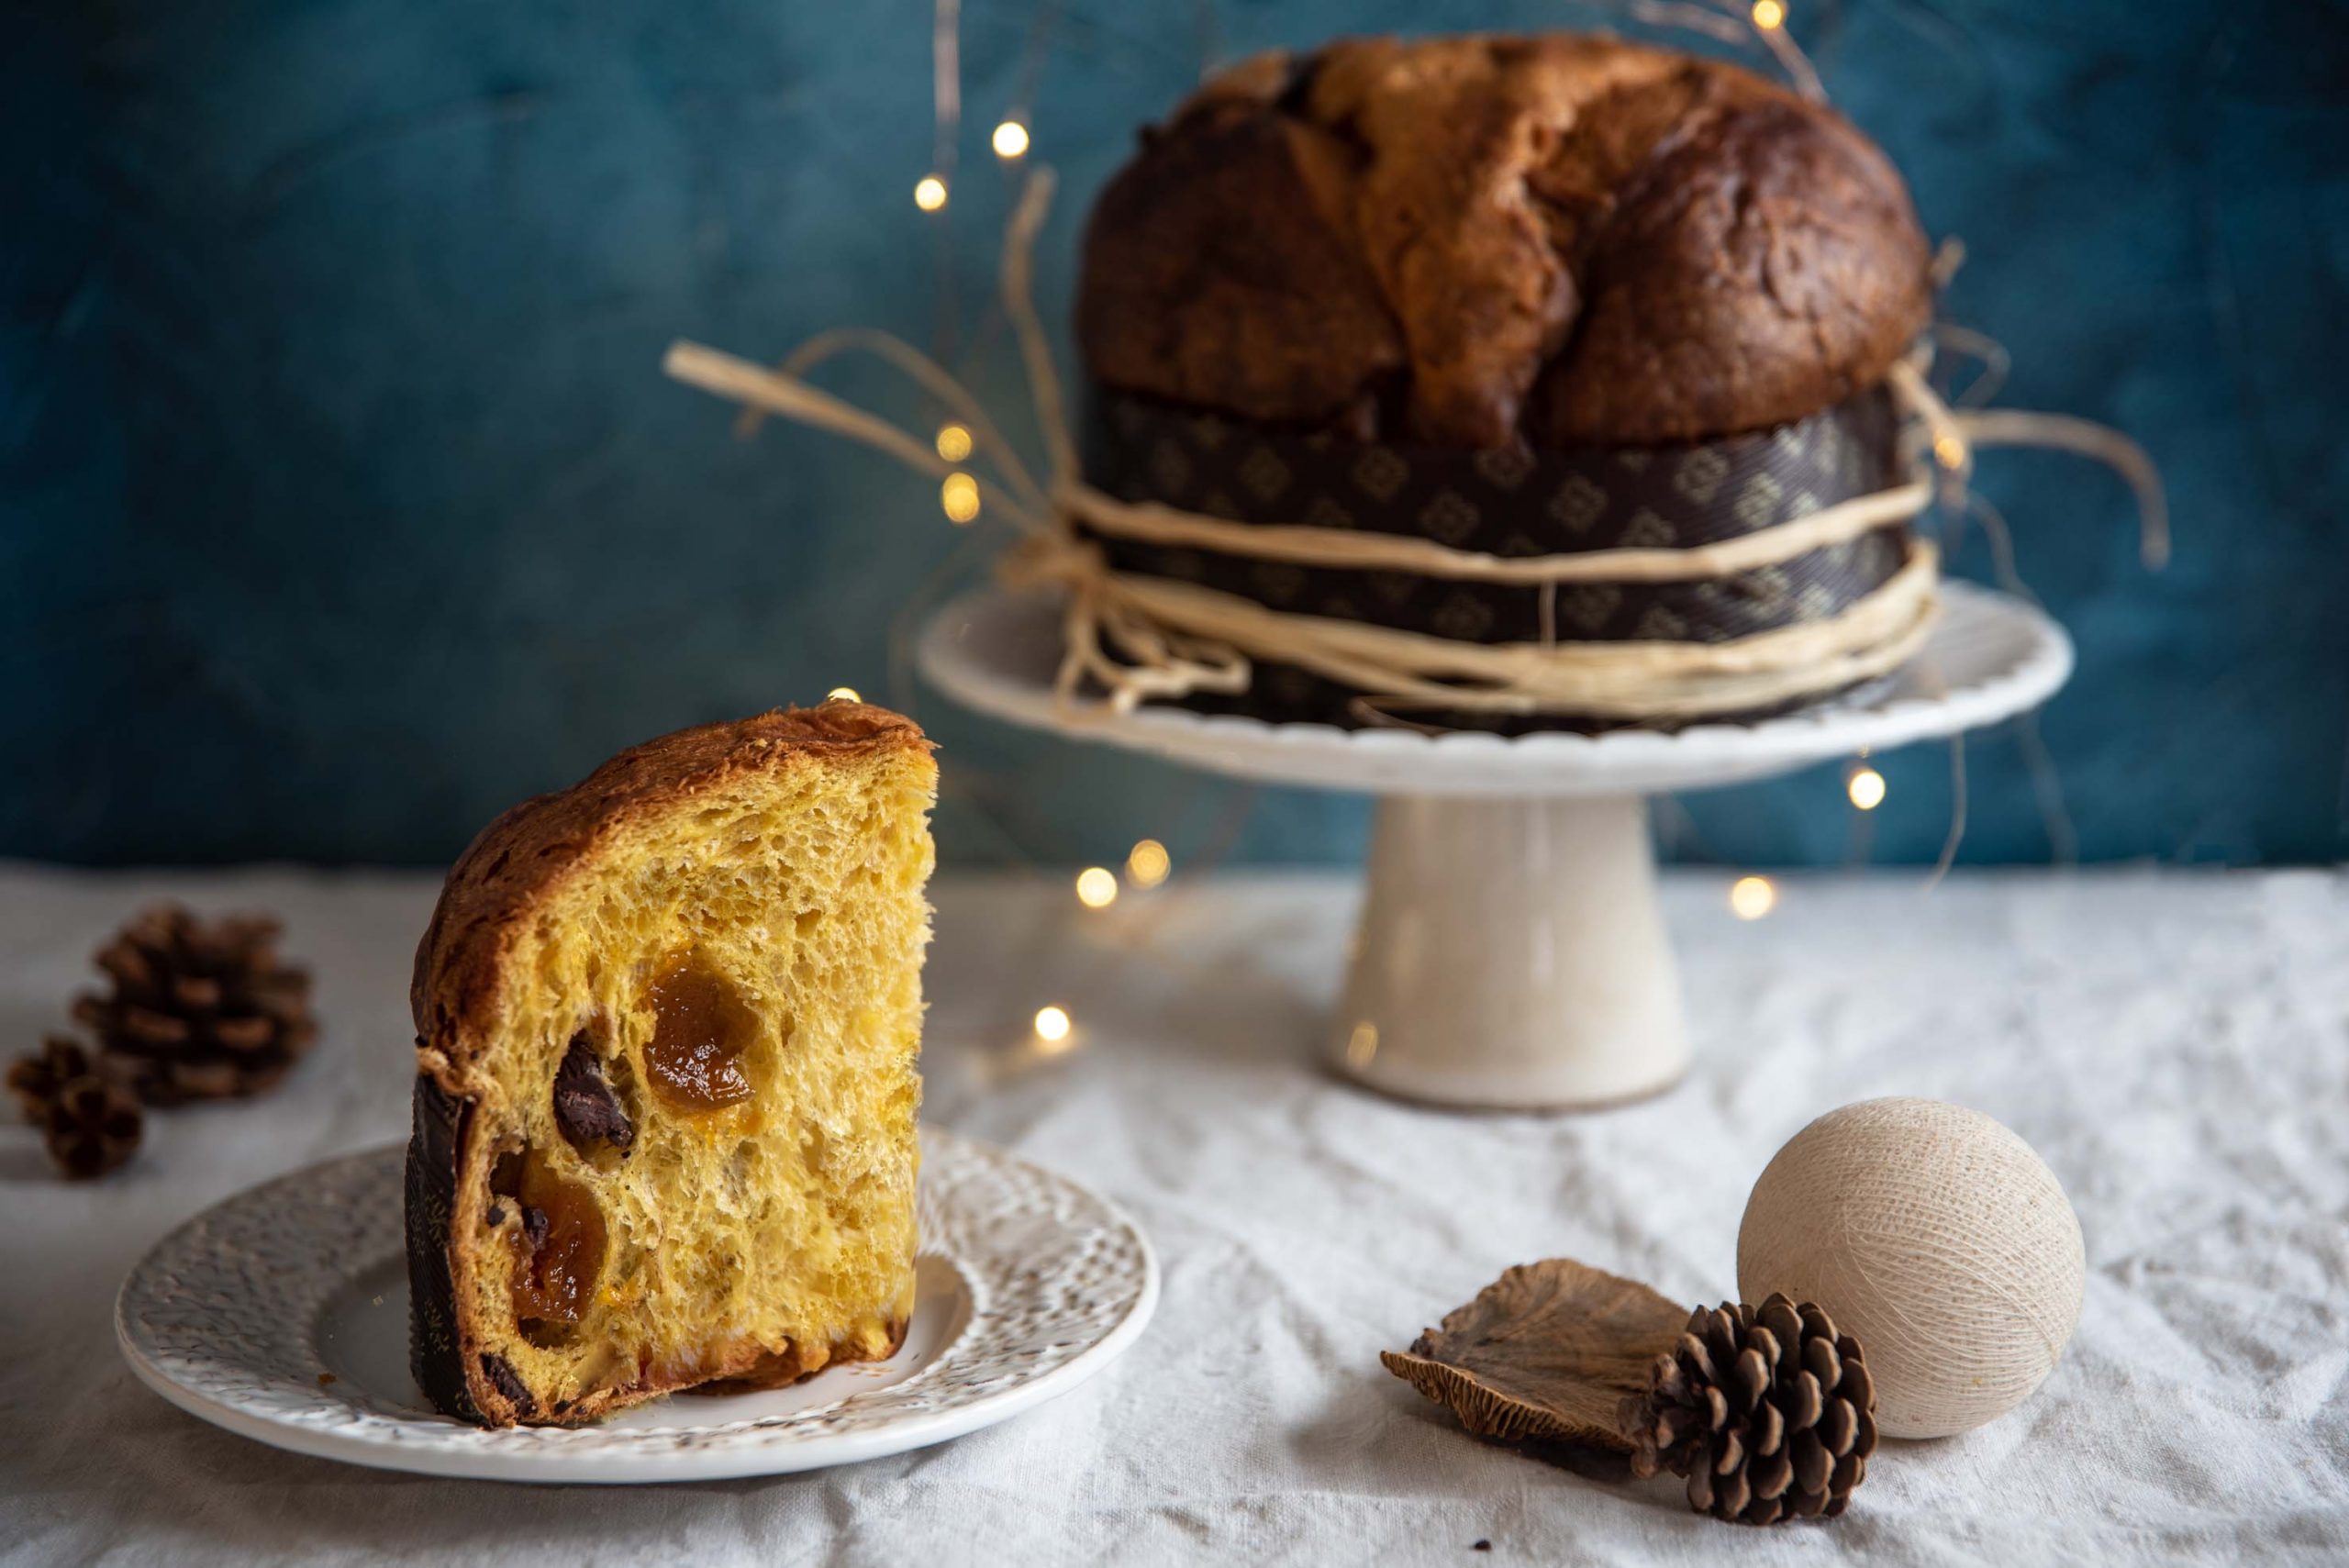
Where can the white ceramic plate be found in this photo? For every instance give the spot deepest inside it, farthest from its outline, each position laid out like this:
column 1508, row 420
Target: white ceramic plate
column 1991, row 656
column 282, row 1314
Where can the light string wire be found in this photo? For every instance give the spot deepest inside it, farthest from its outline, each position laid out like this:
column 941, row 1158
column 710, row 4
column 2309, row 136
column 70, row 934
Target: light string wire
column 945, row 88
column 1993, row 361
column 1734, row 24
column 1176, row 659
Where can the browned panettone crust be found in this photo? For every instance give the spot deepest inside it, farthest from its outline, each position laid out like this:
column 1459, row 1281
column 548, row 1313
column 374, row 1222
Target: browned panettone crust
column 497, row 883
column 1466, row 241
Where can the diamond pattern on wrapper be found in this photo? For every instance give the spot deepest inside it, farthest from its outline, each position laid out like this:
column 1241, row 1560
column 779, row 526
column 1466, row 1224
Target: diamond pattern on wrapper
column 1699, row 475
column 1265, row 474
column 1170, row 471
column 1505, row 467
column 1587, row 607
column 1579, row 503
column 1514, row 503
column 1450, row 519
column 1757, row 502
column 1463, row 617
column 1324, row 513
column 1379, row 472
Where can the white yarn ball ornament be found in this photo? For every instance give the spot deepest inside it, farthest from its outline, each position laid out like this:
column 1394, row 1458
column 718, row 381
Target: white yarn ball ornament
column 1935, row 1236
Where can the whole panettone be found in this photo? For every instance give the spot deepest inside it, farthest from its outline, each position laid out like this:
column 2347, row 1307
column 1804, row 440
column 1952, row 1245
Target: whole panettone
column 1460, row 239
column 1521, row 295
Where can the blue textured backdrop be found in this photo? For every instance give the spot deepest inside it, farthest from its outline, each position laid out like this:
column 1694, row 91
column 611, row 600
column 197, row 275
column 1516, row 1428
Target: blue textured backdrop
column 343, row 505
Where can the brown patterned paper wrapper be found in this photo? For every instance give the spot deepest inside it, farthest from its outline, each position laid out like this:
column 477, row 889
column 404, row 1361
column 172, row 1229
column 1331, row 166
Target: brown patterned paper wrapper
column 435, row 1152
column 1506, row 502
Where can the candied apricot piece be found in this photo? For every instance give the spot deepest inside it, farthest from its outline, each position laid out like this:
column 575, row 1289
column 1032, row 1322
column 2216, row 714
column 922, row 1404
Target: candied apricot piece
column 561, row 1243
column 701, row 1028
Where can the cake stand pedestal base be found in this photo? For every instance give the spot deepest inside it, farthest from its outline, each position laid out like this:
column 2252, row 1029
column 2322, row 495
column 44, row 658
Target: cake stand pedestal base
column 1510, row 954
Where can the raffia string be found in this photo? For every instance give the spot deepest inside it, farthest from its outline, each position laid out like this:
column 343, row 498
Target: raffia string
column 1140, row 637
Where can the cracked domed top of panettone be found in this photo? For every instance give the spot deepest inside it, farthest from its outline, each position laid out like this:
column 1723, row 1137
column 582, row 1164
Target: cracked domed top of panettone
column 1461, row 241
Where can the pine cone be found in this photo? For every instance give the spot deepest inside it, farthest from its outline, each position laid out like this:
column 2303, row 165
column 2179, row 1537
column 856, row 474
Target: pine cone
column 92, row 1126
column 1769, row 1412
column 36, row 1079
column 200, row 1009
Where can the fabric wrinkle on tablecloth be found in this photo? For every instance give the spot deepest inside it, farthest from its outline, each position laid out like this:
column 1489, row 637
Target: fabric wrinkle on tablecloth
column 2175, row 1045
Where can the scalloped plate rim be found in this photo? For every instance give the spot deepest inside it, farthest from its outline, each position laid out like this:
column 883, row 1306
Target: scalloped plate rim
column 603, row 1455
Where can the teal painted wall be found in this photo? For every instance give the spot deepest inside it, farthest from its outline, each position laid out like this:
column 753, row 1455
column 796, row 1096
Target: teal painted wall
column 342, row 504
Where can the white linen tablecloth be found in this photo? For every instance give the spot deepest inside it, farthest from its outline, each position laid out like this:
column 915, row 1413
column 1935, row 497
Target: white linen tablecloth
column 2175, row 1045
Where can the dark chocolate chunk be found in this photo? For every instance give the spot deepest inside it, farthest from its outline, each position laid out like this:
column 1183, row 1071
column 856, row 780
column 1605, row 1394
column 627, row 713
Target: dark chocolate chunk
column 496, row 1216
column 585, row 1109
column 508, row 1382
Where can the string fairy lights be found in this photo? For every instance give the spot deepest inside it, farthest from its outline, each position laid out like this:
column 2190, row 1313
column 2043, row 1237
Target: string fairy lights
column 946, row 102
column 1751, row 897
column 968, row 437
column 1147, row 864
column 958, row 496
column 842, row 694
column 1013, row 133
column 1052, row 1025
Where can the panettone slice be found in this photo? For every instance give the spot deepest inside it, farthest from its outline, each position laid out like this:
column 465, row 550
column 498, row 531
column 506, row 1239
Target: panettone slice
column 664, row 1119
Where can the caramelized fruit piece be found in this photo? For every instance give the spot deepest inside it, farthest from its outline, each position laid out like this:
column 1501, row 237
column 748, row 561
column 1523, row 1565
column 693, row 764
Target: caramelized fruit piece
column 562, row 1245
column 701, row 1028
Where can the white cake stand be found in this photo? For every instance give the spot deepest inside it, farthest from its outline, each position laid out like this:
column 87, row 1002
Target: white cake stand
column 1510, row 953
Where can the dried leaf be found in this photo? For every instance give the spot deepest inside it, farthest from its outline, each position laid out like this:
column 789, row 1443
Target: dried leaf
column 1546, row 1351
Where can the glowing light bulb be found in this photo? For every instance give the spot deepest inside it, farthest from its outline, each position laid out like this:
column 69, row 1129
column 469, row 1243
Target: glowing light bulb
column 1010, row 139
column 842, row 694
column 953, row 442
column 1147, row 864
column 960, row 496
column 1769, row 15
column 1949, row 451
column 1751, row 897
column 1052, row 1025
column 1865, row 786
column 1096, row 887
column 930, row 193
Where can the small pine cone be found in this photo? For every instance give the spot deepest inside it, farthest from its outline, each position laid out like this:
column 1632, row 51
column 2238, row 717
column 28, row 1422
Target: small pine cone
column 36, row 1079
column 199, row 1009
column 92, row 1127
column 1769, row 1413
